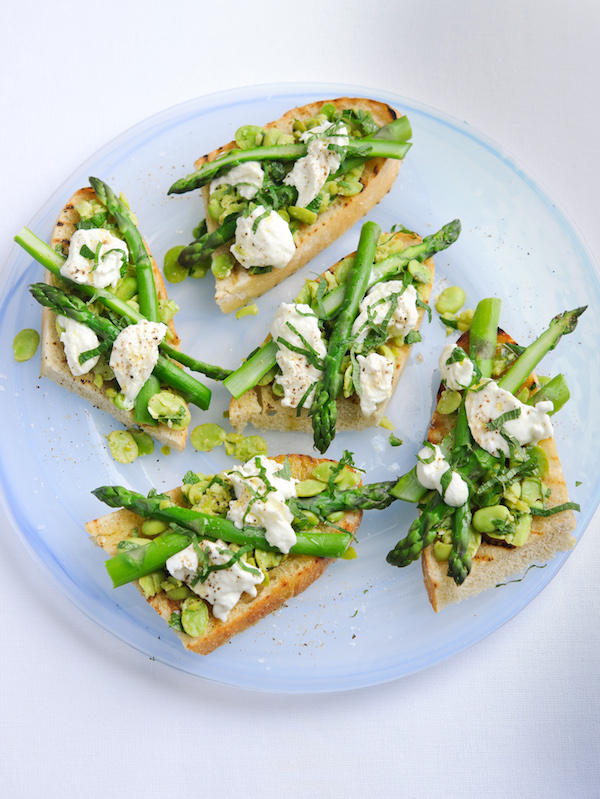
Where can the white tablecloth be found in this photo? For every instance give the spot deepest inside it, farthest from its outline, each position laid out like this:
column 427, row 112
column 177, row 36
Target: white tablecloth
column 82, row 713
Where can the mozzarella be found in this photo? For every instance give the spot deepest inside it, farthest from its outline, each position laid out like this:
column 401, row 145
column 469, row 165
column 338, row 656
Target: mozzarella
column 459, row 374
column 223, row 588
column 482, row 407
column 111, row 256
column 430, row 476
column 271, row 244
column 376, row 305
column 134, row 356
column 376, row 381
column 248, row 172
column 77, row 338
column 259, row 476
column 309, row 174
column 297, row 374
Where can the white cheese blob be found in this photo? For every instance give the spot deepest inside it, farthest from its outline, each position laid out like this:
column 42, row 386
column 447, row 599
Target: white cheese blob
column 271, row 245
column 77, row 339
column 376, row 378
column 532, row 425
column 310, row 173
column 269, row 511
column 458, row 374
column 223, row 587
column 376, row 304
column 297, row 374
column 248, row 177
column 112, row 254
column 134, row 356
column 430, row 476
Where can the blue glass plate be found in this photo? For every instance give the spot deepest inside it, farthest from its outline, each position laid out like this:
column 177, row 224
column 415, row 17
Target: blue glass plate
column 364, row 622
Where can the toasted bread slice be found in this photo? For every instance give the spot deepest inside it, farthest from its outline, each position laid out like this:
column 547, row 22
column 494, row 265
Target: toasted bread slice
column 290, row 578
column 261, row 408
column 53, row 361
column 495, row 563
column 378, row 177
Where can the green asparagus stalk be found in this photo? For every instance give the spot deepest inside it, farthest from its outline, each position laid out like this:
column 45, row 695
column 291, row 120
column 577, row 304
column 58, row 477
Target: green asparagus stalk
column 420, row 534
column 408, row 487
column 326, row 545
column 374, row 496
column 69, row 305
column 204, row 246
column 53, row 261
column 397, row 131
column 482, row 347
column 483, row 334
column 362, row 150
column 324, row 409
column 147, row 297
column 394, row 265
column 253, row 370
column 556, row 390
column 132, row 564
column 459, row 562
column 561, row 325
column 256, row 367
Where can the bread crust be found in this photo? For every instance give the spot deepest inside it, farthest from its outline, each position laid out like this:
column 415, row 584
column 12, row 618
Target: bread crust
column 378, row 177
column 493, row 564
column 261, row 408
column 293, row 576
column 53, row 361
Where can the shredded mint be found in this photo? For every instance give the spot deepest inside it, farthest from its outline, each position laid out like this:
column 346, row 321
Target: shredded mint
column 556, row 509
column 496, row 423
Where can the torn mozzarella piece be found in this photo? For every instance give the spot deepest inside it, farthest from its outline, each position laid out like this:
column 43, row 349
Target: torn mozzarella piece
column 106, row 255
column 134, row 356
column 247, row 177
column 458, row 374
column 271, row 244
column 222, row 588
column 297, row 374
column 532, row 425
column 376, row 381
column 77, row 338
column 310, row 173
column 261, row 500
column 430, row 476
column 376, row 305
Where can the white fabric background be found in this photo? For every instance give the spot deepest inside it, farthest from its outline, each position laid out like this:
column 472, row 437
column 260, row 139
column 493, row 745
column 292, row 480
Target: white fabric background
column 82, row 713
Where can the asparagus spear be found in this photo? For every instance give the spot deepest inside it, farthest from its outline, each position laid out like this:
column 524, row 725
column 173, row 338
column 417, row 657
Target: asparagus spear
column 324, row 409
column 421, row 533
column 561, row 325
column 147, row 297
column 374, row 496
column 53, row 261
column 482, row 337
column 362, row 150
column 326, row 545
column 483, row 334
column 557, row 391
column 250, row 372
column 208, row 243
column 69, row 305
